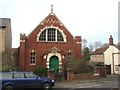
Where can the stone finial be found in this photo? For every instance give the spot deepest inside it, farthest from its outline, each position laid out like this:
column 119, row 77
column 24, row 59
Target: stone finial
column 51, row 8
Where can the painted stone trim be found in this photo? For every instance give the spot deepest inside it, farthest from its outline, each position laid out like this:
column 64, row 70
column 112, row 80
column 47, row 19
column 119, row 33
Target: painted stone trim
column 61, row 31
column 54, row 54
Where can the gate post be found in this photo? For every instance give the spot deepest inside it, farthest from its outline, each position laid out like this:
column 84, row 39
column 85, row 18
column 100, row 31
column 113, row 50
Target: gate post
column 51, row 74
column 70, row 74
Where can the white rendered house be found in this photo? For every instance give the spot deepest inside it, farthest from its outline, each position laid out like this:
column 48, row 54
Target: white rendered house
column 108, row 55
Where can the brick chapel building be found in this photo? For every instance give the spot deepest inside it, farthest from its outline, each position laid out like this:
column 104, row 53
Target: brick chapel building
column 50, row 44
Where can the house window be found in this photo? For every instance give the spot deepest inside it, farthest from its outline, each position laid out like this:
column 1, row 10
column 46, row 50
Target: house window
column 51, row 34
column 116, row 68
column 32, row 58
column 69, row 56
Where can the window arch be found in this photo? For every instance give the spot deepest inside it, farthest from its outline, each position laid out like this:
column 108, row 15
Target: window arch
column 51, row 35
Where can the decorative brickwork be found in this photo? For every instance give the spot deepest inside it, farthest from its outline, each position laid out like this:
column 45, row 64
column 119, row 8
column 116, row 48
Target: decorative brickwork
column 50, row 41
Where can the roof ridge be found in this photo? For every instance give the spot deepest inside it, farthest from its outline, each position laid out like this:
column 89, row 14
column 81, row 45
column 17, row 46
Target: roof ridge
column 100, row 50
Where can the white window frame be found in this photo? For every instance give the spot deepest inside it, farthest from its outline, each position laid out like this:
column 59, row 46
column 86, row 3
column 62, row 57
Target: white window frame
column 56, row 29
column 31, row 60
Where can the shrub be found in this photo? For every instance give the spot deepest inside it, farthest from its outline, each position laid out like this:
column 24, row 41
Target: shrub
column 40, row 71
column 6, row 68
column 80, row 66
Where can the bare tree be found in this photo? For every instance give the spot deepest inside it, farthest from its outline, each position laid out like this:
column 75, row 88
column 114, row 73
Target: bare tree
column 105, row 45
column 97, row 44
column 84, row 43
column 91, row 47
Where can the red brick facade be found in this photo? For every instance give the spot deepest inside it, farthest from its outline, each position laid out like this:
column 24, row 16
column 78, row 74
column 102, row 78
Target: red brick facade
column 62, row 48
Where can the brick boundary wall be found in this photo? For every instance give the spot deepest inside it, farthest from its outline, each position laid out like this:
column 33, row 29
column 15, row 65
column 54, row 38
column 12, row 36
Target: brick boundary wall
column 70, row 75
column 85, row 76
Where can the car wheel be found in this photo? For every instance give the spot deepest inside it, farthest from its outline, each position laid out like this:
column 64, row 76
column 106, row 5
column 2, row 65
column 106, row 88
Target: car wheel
column 46, row 86
column 9, row 87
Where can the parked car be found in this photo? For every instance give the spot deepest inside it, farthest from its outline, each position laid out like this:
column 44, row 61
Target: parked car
column 13, row 80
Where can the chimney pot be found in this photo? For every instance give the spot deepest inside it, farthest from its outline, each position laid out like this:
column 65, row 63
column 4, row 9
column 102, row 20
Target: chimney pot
column 111, row 40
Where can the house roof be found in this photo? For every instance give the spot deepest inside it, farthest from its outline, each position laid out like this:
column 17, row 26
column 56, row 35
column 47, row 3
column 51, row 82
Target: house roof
column 99, row 50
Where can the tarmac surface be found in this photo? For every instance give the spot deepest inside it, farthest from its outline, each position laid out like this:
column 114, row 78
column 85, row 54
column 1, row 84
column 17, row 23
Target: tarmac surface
column 111, row 82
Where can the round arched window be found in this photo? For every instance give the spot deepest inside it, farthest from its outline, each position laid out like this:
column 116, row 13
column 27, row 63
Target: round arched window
column 51, row 34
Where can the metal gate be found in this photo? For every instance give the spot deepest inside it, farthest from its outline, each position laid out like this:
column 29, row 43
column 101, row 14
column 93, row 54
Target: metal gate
column 108, row 68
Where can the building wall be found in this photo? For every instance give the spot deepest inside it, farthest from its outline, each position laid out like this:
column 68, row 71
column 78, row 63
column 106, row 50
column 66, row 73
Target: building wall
column 5, row 41
column 7, row 30
column 2, row 39
column 2, row 44
column 45, row 50
column 109, row 57
column 116, row 62
column 97, row 58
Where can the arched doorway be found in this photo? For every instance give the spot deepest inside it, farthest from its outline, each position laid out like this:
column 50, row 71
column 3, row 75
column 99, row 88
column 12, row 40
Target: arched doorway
column 54, row 64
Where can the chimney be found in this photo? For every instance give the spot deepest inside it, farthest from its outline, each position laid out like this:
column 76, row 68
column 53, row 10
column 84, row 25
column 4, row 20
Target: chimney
column 110, row 40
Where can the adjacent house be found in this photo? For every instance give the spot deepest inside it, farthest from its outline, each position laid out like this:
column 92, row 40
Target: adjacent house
column 108, row 56
column 50, row 45
column 5, row 42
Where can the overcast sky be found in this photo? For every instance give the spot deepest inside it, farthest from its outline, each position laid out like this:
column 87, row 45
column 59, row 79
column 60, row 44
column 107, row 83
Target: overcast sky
column 94, row 20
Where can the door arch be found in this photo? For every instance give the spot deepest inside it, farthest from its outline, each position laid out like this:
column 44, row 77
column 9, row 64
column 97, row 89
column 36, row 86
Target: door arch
column 54, row 64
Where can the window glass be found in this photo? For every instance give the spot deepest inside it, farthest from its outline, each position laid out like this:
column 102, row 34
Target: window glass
column 116, row 67
column 32, row 58
column 69, row 55
column 18, row 75
column 30, row 75
column 51, row 34
column 6, row 75
column 43, row 36
column 59, row 36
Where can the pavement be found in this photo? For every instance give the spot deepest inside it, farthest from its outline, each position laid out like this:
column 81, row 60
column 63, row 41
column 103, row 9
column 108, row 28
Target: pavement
column 65, row 82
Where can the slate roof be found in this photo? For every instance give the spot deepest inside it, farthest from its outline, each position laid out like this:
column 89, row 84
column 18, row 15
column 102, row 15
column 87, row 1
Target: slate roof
column 99, row 50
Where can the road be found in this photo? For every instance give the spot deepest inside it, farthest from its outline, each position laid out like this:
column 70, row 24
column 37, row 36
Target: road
column 106, row 83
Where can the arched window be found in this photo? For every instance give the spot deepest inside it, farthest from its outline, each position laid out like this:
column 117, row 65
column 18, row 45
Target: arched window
column 59, row 36
column 43, row 36
column 51, row 34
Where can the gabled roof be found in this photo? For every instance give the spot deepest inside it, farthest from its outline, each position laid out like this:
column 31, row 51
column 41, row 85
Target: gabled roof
column 53, row 20
column 100, row 50
column 103, row 49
